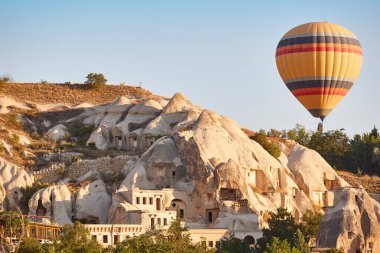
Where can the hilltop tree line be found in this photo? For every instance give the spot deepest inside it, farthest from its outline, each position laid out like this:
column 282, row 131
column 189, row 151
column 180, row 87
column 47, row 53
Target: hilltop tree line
column 93, row 80
column 359, row 154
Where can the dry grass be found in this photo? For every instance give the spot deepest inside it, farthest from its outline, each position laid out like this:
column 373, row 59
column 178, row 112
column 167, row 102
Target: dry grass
column 72, row 94
column 370, row 183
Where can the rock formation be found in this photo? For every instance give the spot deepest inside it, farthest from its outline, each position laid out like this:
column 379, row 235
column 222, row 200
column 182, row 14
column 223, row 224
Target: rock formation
column 199, row 164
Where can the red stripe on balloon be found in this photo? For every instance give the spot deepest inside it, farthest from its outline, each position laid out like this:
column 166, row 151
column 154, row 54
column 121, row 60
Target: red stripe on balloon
column 317, row 49
column 319, row 91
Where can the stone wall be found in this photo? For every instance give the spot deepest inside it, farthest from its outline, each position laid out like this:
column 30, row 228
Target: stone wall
column 58, row 171
column 52, row 174
column 103, row 164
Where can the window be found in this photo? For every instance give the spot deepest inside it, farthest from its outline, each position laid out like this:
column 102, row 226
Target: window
column 152, row 222
column 165, row 221
column 116, row 239
column 181, row 213
column 105, row 238
column 34, row 232
column 173, row 174
column 209, row 216
column 150, row 201
column 144, row 200
column 137, row 200
column 211, row 244
column 159, row 221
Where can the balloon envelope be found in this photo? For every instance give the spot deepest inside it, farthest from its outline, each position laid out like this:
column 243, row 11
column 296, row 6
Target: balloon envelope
column 319, row 63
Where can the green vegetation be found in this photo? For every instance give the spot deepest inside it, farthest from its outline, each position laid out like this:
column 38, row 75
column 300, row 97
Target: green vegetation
column 271, row 147
column 30, row 245
column 12, row 225
column 74, row 239
column 95, row 80
column 285, row 235
column 310, row 223
column 280, row 246
column 233, row 244
column 5, row 79
column 360, row 154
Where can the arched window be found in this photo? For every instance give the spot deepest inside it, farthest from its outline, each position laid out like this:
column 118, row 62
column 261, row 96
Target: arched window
column 249, row 239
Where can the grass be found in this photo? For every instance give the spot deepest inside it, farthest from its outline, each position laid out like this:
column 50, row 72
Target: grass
column 370, row 183
column 45, row 93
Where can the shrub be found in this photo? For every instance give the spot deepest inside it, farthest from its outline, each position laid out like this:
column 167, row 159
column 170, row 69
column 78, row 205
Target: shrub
column 15, row 139
column 5, row 79
column 30, row 245
column 95, row 80
column 271, row 147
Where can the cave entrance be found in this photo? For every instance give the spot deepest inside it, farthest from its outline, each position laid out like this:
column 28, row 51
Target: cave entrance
column 41, row 210
column 249, row 239
column 229, row 194
column 212, row 214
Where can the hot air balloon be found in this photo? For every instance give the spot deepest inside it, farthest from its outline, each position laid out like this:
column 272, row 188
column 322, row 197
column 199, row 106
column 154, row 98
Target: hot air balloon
column 319, row 63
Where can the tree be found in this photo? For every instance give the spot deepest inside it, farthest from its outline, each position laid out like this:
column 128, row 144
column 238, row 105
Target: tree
column 300, row 243
column 233, row 244
column 95, row 80
column 75, row 239
column 271, row 147
column 6, row 79
column 310, row 224
column 281, row 225
column 280, row 246
column 299, row 134
column 174, row 240
column 332, row 145
column 31, row 245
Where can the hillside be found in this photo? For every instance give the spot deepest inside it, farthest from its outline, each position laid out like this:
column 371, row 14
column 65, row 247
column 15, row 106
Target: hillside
column 370, row 183
column 73, row 94
column 109, row 157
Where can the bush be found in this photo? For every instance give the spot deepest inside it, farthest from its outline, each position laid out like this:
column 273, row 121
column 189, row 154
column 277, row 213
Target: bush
column 5, row 79
column 271, row 147
column 30, row 245
column 95, row 80
column 233, row 244
column 15, row 139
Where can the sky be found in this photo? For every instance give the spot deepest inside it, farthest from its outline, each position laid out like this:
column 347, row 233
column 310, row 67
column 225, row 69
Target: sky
column 220, row 54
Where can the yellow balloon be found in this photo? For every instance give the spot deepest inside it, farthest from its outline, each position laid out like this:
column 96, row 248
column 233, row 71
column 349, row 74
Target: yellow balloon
column 319, row 63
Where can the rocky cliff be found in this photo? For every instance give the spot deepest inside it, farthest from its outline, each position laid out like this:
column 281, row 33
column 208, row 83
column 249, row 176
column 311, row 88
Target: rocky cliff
column 202, row 163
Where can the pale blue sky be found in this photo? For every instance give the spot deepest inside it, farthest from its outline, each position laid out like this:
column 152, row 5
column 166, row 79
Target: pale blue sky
column 218, row 53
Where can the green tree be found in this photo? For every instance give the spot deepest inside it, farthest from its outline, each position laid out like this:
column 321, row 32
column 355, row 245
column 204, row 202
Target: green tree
column 300, row 243
column 310, row 224
column 299, row 134
column 333, row 146
column 280, row 246
column 75, row 239
column 281, row 225
column 175, row 239
column 271, row 147
column 233, row 244
column 95, row 80
column 31, row 245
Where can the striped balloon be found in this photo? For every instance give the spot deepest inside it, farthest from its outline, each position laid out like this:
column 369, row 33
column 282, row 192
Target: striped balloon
column 319, row 62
